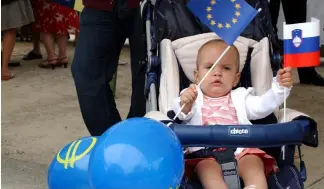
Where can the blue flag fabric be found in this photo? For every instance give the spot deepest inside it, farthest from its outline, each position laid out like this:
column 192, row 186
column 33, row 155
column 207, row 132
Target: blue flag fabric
column 67, row 3
column 227, row 18
column 73, row 4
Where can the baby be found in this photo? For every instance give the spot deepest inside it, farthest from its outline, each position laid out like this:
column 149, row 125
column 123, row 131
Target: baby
column 216, row 103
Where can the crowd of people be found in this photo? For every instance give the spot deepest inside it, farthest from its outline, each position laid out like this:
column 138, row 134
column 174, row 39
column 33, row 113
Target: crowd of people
column 50, row 23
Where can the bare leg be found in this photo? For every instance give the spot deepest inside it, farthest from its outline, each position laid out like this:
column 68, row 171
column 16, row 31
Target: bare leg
column 35, row 53
column 251, row 170
column 210, row 174
column 62, row 41
column 8, row 43
column 48, row 40
column 36, row 43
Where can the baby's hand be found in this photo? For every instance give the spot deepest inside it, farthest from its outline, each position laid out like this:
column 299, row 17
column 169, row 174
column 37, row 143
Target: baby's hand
column 188, row 97
column 284, row 77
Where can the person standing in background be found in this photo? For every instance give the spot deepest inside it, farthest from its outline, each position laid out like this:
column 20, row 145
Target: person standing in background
column 104, row 27
column 295, row 11
column 35, row 53
column 14, row 14
column 54, row 20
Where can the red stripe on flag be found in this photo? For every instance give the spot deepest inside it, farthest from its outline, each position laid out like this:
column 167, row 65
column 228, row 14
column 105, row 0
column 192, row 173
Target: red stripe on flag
column 302, row 60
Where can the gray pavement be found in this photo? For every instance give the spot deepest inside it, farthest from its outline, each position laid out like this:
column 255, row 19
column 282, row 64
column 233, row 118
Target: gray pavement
column 22, row 174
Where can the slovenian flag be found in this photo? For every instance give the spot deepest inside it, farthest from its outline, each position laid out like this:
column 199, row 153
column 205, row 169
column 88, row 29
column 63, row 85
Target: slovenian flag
column 302, row 44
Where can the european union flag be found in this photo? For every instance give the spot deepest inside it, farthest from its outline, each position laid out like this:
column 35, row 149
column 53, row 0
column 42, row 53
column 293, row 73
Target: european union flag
column 227, row 18
column 73, row 4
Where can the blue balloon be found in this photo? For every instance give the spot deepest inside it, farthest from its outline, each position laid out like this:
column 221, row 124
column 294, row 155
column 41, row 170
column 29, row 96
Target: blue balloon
column 69, row 168
column 138, row 153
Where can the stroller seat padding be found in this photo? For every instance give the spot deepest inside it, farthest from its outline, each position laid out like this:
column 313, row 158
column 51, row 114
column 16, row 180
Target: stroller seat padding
column 184, row 51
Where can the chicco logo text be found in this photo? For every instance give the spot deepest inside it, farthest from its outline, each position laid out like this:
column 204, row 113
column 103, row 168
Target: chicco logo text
column 239, row 131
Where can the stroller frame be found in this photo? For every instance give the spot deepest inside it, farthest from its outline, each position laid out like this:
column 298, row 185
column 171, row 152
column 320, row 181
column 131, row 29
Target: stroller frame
column 187, row 135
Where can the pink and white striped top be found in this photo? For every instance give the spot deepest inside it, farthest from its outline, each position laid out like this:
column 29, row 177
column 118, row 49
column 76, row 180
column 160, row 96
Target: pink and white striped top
column 219, row 111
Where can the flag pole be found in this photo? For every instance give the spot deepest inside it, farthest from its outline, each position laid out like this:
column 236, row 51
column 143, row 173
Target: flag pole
column 212, row 68
column 285, row 106
column 284, row 118
column 221, row 56
column 283, row 148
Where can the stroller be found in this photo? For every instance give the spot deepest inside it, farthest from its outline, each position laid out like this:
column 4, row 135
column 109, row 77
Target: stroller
column 171, row 56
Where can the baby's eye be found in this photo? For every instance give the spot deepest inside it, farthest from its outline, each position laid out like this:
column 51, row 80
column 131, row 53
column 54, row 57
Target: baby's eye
column 227, row 68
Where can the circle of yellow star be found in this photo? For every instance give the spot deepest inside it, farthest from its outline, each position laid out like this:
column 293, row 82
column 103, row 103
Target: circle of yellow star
column 227, row 25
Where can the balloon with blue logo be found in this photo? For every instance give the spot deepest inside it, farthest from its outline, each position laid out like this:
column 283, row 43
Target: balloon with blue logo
column 69, row 168
column 138, row 153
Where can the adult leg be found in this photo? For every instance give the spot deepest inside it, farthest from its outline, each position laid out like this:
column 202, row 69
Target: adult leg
column 210, row 175
column 274, row 8
column 251, row 170
column 295, row 12
column 36, row 43
column 48, row 40
column 35, row 53
column 62, row 41
column 138, row 50
column 95, row 62
column 8, row 43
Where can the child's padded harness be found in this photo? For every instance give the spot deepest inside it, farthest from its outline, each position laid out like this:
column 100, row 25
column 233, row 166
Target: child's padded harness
column 225, row 157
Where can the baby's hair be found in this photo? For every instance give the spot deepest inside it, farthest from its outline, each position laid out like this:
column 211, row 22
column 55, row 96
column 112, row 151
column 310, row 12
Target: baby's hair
column 219, row 42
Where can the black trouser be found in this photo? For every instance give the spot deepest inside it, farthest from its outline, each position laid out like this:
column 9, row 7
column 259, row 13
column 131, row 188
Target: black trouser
column 295, row 11
column 101, row 38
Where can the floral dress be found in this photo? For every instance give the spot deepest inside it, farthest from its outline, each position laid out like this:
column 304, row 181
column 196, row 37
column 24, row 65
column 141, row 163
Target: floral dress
column 54, row 18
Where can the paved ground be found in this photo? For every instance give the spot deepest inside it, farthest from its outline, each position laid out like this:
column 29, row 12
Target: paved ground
column 40, row 114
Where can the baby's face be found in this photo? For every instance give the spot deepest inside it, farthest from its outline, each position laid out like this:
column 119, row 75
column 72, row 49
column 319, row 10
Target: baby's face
column 225, row 75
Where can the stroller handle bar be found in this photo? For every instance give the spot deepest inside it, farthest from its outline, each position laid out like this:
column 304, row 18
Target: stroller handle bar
column 270, row 135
